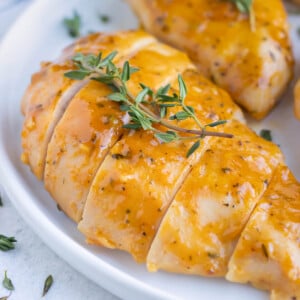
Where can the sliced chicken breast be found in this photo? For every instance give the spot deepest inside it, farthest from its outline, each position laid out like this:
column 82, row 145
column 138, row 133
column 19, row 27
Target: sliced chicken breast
column 131, row 192
column 44, row 104
column 205, row 220
column 268, row 252
column 253, row 64
column 80, row 144
column 44, row 107
column 97, row 129
column 139, row 178
column 82, row 138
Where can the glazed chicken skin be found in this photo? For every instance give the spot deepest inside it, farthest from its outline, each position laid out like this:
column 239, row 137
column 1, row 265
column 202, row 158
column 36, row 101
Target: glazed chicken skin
column 126, row 190
column 253, row 64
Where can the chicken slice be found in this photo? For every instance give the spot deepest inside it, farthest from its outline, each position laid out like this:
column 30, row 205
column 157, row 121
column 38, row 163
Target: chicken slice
column 253, row 65
column 87, row 130
column 268, row 252
column 79, row 144
column 44, row 104
column 202, row 225
column 140, row 177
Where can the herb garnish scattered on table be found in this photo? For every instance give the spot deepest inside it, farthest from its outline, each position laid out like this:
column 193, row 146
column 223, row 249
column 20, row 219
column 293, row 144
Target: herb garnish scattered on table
column 7, row 243
column 246, row 7
column 73, row 25
column 47, row 285
column 148, row 107
column 7, row 283
column 104, row 18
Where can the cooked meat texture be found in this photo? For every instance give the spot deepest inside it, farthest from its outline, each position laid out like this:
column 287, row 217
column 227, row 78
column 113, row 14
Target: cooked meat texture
column 95, row 139
column 297, row 99
column 253, row 64
column 204, row 222
column 81, row 140
column 43, row 104
column 268, row 252
column 124, row 188
column 93, row 123
column 139, row 178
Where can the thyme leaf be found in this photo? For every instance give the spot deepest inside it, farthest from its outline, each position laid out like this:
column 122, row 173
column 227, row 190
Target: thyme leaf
column 167, row 137
column 7, row 283
column 246, row 7
column 73, row 25
column 7, row 243
column 243, row 6
column 104, row 18
column 148, row 107
column 47, row 285
column 217, row 123
column 195, row 146
column 266, row 134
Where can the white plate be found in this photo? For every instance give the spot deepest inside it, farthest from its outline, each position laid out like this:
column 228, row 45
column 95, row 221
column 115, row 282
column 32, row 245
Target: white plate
column 39, row 35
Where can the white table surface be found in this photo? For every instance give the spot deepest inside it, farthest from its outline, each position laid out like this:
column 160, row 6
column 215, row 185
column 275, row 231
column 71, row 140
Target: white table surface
column 32, row 261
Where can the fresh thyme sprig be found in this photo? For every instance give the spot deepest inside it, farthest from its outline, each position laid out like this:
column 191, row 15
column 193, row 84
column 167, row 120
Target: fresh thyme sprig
column 246, row 7
column 148, row 107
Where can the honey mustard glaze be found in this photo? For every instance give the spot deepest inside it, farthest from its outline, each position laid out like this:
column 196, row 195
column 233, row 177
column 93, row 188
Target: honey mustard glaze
column 254, row 64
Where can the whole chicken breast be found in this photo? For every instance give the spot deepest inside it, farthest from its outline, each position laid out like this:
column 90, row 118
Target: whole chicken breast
column 253, row 64
column 126, row 189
